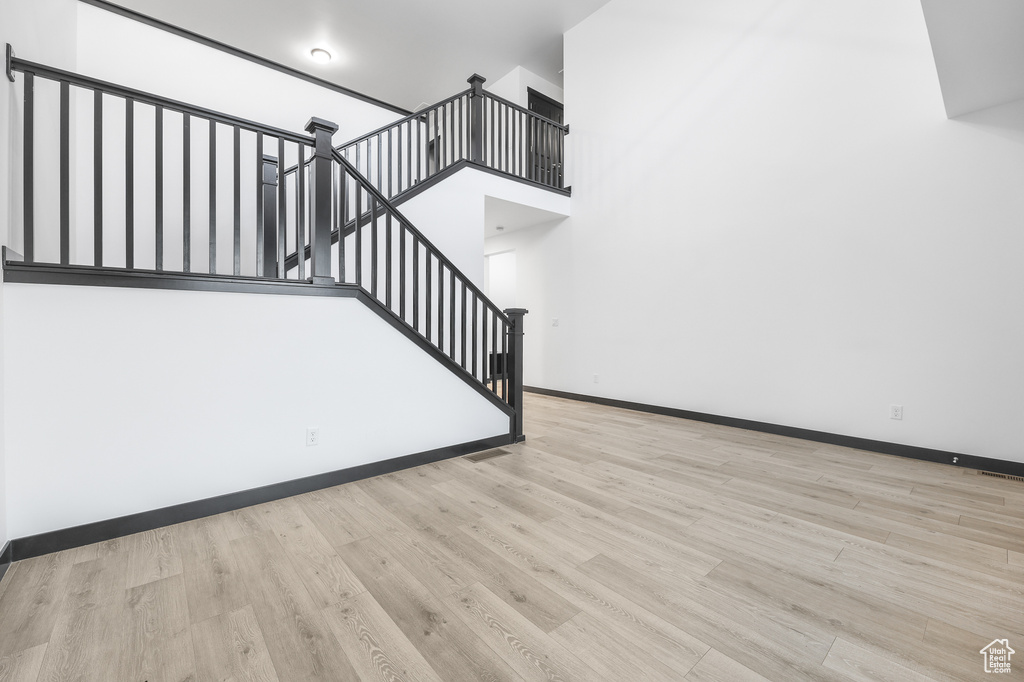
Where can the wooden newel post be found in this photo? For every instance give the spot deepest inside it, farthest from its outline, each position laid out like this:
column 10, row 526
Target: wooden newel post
column 320, row 200
column 476, row 118
column 268, row 236
column 514, row 370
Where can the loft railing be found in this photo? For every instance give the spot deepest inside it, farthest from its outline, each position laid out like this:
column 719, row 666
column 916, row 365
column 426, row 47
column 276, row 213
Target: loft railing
column 474, row 126
column 117, row 178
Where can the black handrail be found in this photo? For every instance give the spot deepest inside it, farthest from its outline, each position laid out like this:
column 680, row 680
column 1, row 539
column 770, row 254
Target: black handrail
column 143, row 97
column 411, row 117
column 388, row 206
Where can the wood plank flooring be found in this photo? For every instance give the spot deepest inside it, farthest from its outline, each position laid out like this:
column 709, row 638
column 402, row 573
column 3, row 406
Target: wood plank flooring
column 612, row 545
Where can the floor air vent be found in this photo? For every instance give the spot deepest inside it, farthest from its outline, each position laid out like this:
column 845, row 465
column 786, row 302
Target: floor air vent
column 1007, row 476
column 490, row 454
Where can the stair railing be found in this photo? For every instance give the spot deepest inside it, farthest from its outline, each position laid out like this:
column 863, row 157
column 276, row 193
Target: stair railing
column 114, row 178
column 403, row 154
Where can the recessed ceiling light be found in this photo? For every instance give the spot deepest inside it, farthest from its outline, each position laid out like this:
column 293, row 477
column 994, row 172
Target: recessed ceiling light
column 320, row 55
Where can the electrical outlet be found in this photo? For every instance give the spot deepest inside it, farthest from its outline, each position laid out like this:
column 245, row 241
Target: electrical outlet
column 312, row 436
column 554, row 321
column 895, row 412
column 595, row 378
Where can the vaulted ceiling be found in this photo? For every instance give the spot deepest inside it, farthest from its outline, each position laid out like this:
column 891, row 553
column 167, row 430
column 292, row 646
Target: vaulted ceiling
column 411, row 52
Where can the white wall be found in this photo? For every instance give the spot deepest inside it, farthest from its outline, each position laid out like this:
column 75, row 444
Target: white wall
column 45, row 28
column 774, row 220
column 500, row 278
column 451, row 214
column 123, row 400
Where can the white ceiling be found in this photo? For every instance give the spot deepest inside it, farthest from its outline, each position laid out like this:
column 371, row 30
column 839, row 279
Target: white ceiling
column 404, row 52
column 512, row 216
column 979, row 51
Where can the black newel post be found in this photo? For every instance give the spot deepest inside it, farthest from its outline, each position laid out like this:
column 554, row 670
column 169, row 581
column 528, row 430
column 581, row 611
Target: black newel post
column 320, row 200
column 514, row 370
column 270, row 216
column 476, row 118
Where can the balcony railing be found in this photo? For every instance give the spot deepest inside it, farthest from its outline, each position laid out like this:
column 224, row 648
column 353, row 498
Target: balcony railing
column 473, row 126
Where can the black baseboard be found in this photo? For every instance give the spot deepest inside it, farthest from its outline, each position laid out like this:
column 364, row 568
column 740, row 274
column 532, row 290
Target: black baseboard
column 5, row 559
column 86, row 534
column 999, row 466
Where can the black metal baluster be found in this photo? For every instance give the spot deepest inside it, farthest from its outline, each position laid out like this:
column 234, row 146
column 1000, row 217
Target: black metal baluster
column 129, row 184
column 365, row 174
column 374, row 207
column 186, row 195
column 491, row 137
column 28, row 187
column 387, row 260
column 398, row 159
column 408, row 153
column 561, row 160
column 541, row 160
column 462, row 337
column 457, row 129
column 440, row 305
column 282, row 211
column 260, row 208
column 419, row 151
column 159, row 180
column 415, row 282
column 401, row 270
column 429, row 300
column 515, row 142
column 380, row 145
column 437, row 145
column 504, row 361
column 237, row 228
column 390, row 165
column 509, row 132
column 499, row 135
column 343, row 221
column 494, row 358
column 97, row 178
column 65, row 173
column 359, row 233
column 523, row 144
column 451, row 316
column 213, row 197
column 473, row 326
column 548, row 168
column 300, row 211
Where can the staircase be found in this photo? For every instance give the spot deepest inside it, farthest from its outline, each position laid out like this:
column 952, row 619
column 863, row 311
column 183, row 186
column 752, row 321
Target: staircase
column 277, row 211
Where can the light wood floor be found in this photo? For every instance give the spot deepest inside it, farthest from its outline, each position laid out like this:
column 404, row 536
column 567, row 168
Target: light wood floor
column 613, row 545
